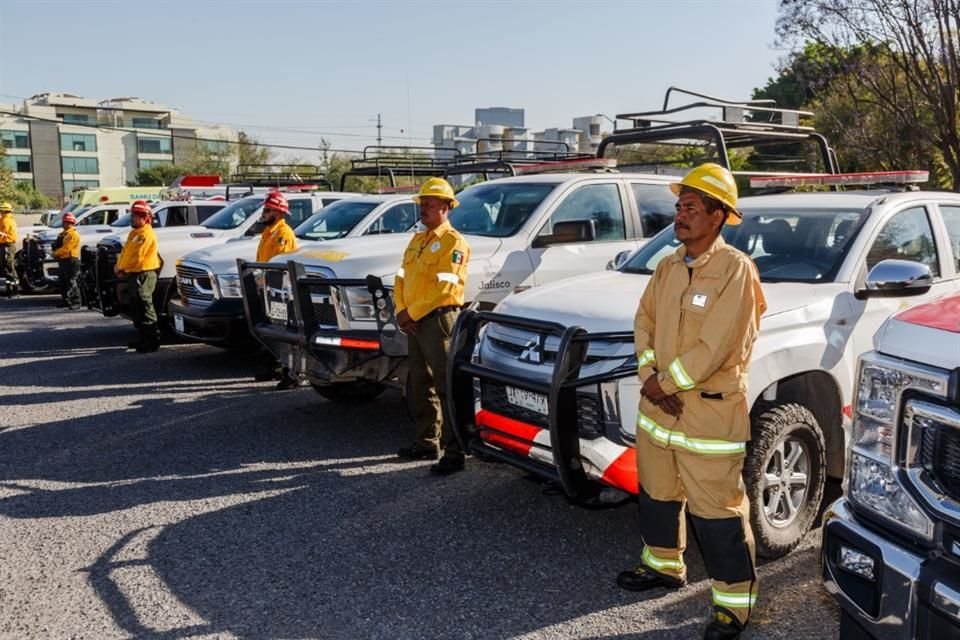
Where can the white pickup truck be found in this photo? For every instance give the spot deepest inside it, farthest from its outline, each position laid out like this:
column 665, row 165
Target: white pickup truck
column 891, row 547
column 236, row 221
column 209, row 307
column 319, row 313
column 548, row 382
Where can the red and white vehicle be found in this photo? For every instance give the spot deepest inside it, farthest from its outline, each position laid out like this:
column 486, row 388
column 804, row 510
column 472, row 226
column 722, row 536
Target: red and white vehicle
column 547, row 382
column 891, row 546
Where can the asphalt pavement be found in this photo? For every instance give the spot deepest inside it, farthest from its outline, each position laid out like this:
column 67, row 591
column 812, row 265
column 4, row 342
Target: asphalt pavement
column 170, row 496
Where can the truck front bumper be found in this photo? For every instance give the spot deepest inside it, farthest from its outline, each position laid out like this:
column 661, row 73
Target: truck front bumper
column 912, row 595
column 220, row 323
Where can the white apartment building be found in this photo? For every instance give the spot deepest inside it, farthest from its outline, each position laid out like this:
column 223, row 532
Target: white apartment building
column 60, row 142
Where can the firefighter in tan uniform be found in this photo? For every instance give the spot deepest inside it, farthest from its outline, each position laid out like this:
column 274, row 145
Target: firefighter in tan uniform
column 428, row 295
column 67, row 252
column 137, row 268
column 694, row 330
column 8, row 249
column 277, row 238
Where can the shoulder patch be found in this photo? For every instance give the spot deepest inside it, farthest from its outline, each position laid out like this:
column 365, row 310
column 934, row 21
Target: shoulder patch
column 457, row 257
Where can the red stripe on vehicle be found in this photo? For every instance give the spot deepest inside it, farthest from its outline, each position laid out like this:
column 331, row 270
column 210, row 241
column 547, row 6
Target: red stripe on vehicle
column 848, row 411
column 939, row 314
column 514, row 435
column 622, row 472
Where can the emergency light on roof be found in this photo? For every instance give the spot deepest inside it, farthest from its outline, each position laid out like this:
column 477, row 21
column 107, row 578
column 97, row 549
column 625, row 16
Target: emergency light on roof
column 841, row 179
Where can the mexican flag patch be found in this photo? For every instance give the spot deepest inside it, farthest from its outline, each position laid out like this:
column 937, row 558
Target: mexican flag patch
column 457, row 257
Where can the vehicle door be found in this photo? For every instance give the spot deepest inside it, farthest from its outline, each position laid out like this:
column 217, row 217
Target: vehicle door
column 907, row 235
column 100, row 220
column 601, row 203
column 656, row 207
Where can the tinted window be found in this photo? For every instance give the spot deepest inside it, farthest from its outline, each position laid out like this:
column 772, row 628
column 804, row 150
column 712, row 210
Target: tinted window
column 396, row 219
column 786, row 245
column 656, row 205
column 497, row 209
column 906, row 236
column 334, row 221
column 598, row 202
column 97, row 217
column 205, row 211
column 951, row 218
column 300, row 210
column 235, row 213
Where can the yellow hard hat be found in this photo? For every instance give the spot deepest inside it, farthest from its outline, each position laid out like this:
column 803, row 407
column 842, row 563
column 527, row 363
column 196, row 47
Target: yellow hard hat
column 5, row 207
column 715, row 181
column 438, row 188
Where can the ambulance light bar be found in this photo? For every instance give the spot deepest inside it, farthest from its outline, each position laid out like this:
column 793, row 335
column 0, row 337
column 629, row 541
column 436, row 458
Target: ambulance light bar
column 844, row 179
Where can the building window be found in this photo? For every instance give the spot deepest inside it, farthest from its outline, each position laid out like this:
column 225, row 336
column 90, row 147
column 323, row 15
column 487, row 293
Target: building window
column 150, row 164
column 19, row 164
column 70, row 185
column 154, row 145
column 81, row 165
column 15, row 139
column 145, row 123
column 78, row 142
column 75, row 118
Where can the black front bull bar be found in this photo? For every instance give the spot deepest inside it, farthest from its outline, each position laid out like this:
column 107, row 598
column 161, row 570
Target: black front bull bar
column 561, row 392
column 303, row 322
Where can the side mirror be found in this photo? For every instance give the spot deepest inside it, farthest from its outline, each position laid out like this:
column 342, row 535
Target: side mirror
column 897, row 278
column 566, row 232
column 619, row 260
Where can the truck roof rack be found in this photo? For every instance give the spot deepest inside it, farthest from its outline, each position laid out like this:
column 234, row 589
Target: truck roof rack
column 251, row 176
column 392, row 162
column 757, row 124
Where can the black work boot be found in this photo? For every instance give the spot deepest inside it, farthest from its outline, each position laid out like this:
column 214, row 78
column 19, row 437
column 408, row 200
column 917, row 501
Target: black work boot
column 136, row 344
column 151, row 339
column 417, row 451
column 447, row 466
column 644, row 579
column 724, row 626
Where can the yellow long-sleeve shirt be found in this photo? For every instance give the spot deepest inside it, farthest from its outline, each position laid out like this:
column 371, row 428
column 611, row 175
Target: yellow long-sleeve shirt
column 8, row 228
column 140, row 253
column 69, row 244
column 276, row 239
column 695, row 328
column 433, row 273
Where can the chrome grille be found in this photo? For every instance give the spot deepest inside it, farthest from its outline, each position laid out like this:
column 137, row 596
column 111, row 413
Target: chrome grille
column 194, row 284
column 939, row 454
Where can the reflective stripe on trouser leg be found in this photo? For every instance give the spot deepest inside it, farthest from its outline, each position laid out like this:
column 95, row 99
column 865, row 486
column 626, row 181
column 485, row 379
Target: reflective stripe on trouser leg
column 662, row 525
column 720, row 514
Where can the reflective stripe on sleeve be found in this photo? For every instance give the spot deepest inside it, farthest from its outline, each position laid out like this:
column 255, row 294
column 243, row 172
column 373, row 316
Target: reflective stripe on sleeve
column 679, row 439
column 734, row 600
column 684, row 381
column 647, row 357
column 660, row 564
column 452, row 278
column 400, row 273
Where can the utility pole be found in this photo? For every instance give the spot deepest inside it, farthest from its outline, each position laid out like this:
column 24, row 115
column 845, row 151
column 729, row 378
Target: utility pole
column 379, row 127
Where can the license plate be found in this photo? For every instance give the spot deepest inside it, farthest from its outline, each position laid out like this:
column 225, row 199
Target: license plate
column 178, row 323
column 528, row 400
column 277, row 310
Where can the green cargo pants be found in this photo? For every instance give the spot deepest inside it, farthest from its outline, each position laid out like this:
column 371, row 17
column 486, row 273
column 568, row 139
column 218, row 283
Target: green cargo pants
column 69, row 286
column 427, row 374
column 141, row 296
column 8, row 267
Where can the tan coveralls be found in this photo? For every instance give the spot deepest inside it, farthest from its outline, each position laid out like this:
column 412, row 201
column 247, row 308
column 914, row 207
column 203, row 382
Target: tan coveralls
column 695, row 328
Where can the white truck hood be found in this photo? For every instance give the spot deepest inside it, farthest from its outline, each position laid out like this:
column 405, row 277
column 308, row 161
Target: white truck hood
column 619, row 294
column 927, row 333
column 379, row 255
column 222, row 258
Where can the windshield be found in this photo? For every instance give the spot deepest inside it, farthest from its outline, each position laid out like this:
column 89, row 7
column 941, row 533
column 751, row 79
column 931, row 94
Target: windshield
column 792, row 245
column 235, row 213
column 123, row 221
column 57, row 221
column 334, row 220
column 498, row 209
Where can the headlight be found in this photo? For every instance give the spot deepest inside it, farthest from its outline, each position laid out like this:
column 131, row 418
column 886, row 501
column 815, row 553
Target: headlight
column 874, row 486
column 229, row 286
column 877, row 392
column 360, row 302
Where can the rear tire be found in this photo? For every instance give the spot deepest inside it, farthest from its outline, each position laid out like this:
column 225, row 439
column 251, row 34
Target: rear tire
column 784, row 473
column 353, row 392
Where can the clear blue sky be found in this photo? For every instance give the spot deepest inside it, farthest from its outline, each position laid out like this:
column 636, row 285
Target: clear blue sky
column 330, row 67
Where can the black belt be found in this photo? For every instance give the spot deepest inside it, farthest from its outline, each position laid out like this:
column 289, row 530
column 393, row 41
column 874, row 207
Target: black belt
column 440, row 311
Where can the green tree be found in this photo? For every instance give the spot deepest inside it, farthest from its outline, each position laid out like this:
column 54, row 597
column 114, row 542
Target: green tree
column 251, row 152
column 159, row 175
column 8, row 191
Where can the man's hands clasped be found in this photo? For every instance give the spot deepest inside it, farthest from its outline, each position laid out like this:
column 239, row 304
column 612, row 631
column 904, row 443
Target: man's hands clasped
column 407, row 324
column 672, row 405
